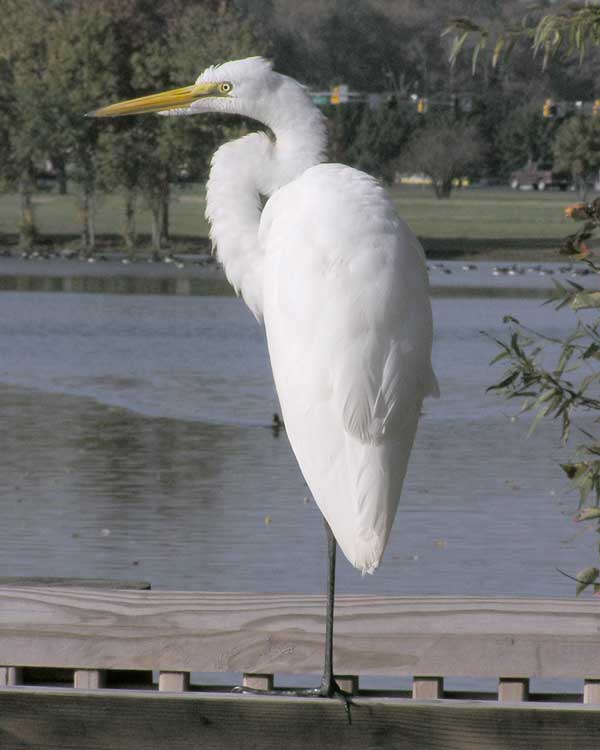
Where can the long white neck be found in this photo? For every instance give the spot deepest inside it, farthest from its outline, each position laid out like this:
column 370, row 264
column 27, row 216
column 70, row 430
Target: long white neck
column 245, row 171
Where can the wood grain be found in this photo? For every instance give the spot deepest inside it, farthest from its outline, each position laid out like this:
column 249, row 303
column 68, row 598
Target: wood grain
column 513, row 689
column 89, row 679
column 258, row 681
column 91, row 583
column 270, row 633
column 174, row 682
column 349, row 683
column 11, row 675
column 425, row 688
column 37, row 719
column 591, row 692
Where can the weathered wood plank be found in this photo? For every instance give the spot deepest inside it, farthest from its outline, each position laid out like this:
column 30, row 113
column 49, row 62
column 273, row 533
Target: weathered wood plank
column 425, row 688
column 258, row 681
column 348, row 683
column 89, row 679
column 591, row 691
column 174, row 682
column 35, row 718
column 11, row 676
column 95, row 583
column 270, row 633
column 513, row 689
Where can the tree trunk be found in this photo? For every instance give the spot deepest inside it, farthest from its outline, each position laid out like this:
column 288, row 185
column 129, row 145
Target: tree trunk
column 85, row 224
column 129, row 234
column 443, row 188
column 61, row 175
column 165, row 214
column 27, row 228
column 157, row 230
column 92, row 222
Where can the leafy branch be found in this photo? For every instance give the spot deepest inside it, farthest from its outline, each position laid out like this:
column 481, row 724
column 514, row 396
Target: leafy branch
column 568, row 30
column 558, row 377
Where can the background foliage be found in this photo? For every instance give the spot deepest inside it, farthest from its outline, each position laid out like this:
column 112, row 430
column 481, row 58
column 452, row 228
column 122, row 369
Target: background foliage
column 61, row 58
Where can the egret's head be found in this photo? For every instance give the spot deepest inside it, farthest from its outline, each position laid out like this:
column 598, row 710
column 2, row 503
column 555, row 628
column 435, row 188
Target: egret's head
column 245, row 87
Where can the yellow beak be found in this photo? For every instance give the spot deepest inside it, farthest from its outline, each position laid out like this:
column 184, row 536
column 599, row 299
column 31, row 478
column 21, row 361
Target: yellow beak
column 173, row 99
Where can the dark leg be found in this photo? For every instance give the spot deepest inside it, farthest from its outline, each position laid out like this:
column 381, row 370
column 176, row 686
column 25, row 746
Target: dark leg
column 328, row 687
column 328, row 684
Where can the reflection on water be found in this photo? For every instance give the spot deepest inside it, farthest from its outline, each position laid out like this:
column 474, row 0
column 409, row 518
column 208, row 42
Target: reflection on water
column 184, row 285
column 136, row 442
column 87, row 487
column 186, row 357
column 199, row 277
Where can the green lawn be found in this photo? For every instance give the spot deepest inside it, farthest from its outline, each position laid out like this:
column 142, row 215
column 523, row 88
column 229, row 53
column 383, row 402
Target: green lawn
column 498, row 223
column 57, row 218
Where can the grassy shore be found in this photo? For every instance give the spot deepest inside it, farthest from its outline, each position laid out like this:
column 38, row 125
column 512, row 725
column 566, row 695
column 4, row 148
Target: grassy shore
column 496, row 224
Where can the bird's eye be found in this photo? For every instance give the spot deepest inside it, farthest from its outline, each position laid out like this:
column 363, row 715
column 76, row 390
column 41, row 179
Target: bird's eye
column 225, row 88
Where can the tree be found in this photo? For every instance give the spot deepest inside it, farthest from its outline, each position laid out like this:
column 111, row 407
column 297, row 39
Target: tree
column 381, row 135
column 444, row 150
column 5, row 123
column 190, row 141
column 81, row 71
column 27, row 111
column 143, row 155
column 525, row 136
column 125, row 149
column 577, row 149
column 151, row 71
column 121, row 155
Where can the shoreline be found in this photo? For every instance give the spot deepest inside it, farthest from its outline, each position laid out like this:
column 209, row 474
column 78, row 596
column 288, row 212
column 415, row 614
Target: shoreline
column 174, row 264
column 435, row 250
column 203, row 275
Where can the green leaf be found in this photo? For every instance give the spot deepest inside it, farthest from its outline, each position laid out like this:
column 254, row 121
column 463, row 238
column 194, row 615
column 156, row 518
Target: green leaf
column 592, row 351
column 504, row 383
column 545, row 396
column 585, row 487
column 478, row 47
column 497, row 50
column 498, row 357
column 527, row 405
column 585, row 578
column 584, row 300
column 536, row 420
column 569, row 469
column 587, row 514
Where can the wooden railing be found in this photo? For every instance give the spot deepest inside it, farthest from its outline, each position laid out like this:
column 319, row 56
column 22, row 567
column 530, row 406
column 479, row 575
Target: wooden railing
column 106, row 638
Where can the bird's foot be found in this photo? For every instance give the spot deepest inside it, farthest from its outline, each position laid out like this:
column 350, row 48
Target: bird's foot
column 330, row 689
column 327, row 689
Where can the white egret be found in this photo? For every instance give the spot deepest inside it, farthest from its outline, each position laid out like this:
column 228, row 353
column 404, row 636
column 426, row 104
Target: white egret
column 341, row 284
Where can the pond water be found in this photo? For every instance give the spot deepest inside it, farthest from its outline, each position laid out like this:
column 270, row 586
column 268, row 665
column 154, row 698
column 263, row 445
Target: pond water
column 136, row 442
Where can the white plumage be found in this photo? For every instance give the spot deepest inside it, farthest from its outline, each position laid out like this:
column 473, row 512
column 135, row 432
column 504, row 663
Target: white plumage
column 341, row 284
column 348, row 325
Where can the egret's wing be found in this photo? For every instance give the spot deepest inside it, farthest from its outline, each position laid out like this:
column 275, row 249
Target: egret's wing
column 348, row 324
